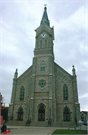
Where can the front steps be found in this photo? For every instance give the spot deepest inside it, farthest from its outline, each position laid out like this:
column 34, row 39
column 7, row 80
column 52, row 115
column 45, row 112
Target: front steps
column 44, row 124
column 38, row 123
column 33, row 123
column 16, row 123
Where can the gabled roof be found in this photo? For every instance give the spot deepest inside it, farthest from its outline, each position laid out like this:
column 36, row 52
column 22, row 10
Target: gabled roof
column 61, row 69
column 45, row 18
column 26, row 72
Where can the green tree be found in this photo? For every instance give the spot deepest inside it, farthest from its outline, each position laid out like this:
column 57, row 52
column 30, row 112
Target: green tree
column 4, row 113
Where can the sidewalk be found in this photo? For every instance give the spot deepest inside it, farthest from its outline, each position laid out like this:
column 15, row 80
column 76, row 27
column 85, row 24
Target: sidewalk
column 83, row 127
column 30, row 130
column 27, row 130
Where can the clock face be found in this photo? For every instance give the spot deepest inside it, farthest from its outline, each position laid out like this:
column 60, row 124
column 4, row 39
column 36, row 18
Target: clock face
column 43, row 35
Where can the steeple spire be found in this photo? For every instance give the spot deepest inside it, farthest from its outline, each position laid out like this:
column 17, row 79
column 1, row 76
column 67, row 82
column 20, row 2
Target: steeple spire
column 45, row 19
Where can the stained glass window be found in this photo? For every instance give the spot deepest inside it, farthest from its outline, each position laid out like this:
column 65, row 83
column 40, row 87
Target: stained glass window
column 22, row 94
column 65, row 92
column 40, row 44
column 42, row 83
column 42, row 67
column 45, row 43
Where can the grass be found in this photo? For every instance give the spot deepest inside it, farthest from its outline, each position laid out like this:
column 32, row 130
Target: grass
column 70, row 131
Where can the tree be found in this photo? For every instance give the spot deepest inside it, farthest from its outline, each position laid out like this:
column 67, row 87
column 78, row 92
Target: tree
column 4, row 110
column 2, row 105
column 4, row 113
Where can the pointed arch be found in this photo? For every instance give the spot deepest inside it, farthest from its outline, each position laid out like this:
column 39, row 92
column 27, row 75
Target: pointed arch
column 40, row 105
column 65, row 92
column 20, row 114
column 66, row 114
column 22, row 90
column 42, row 67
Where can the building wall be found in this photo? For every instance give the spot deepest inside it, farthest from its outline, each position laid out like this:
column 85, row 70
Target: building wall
column 25, row 81
column 61, row 78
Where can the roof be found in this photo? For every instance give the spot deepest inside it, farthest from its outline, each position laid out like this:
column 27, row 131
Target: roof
column 45, row 19
column 84, row 112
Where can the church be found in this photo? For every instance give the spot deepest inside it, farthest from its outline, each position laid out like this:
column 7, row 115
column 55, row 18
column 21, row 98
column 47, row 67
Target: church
column 45, row 90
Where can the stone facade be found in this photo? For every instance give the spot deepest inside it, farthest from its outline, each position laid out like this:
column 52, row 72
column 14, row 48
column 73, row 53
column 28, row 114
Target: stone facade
column 43, row 84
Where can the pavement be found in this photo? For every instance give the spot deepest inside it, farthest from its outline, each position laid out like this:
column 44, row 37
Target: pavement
column 27, row 130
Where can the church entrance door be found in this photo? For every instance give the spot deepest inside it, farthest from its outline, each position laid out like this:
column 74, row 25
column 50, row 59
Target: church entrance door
column 20, row 114
column 41, row 113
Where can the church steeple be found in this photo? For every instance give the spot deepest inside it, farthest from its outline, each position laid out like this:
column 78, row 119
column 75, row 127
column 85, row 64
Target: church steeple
column 44, row 37
column 45, row 19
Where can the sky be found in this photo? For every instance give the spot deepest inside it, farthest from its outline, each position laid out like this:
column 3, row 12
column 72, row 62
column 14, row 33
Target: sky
column 18, row 21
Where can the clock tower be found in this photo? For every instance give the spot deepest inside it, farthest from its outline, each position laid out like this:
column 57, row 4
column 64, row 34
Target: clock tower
column 44, row 37
column 43, row 79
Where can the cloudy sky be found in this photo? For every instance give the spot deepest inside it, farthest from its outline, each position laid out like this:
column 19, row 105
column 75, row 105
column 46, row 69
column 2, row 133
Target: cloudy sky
column 19, row 19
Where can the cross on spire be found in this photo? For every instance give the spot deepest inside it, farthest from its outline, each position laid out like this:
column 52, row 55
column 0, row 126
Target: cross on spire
column 45, row 7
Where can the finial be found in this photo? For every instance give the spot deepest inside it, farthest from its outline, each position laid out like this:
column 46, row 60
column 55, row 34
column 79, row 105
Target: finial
column 73, row 66
column 73, row 70
column 16, row 74
column 45, row 8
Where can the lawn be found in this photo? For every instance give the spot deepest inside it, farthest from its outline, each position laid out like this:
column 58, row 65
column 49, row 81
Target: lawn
column 70, row 131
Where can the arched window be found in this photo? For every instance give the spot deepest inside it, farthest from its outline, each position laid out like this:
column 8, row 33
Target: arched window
column 20, row 114
column 65, row 92
column 22, row 94
column 66, row 114
column 41, row 44
column 42, row 68
column 45, row 43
